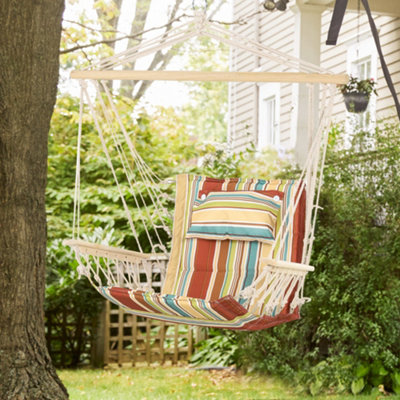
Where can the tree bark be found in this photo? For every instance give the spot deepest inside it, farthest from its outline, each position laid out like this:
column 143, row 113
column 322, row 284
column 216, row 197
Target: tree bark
column 30, row 32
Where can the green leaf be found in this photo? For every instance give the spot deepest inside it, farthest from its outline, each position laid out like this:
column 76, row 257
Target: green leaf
column 315, row 387
column 357, row 386
column 396, row 382
column 362, row 370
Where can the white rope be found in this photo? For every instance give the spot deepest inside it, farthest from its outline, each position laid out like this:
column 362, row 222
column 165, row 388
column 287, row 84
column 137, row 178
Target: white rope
column 314, row 149
column 320, row 182
column 117, row 146
column 149, row 186
column 200, row 26
column 238, row 41
column 105, row 269
column 76, row 214
column 147, row 175
column 100, row 132
column 310, row 166
column 176, row 35
column 281, row 285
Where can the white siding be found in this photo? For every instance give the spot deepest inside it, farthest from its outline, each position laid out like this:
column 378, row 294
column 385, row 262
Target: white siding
column 334, row 57
column 276, row 30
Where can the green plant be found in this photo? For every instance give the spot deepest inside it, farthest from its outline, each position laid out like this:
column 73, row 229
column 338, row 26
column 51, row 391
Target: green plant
column 71, row 309
column 71, row 303
column 219, row 349
column 354, row 316
column 355, row 85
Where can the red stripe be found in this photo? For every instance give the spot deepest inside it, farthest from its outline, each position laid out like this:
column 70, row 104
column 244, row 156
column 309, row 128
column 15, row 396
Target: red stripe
column 228, row 307
column 265, row 322
column 299, row 228
column 122, row 295
column 203, row 267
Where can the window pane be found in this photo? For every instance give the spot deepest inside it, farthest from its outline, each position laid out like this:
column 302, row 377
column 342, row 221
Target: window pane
column 269, row 109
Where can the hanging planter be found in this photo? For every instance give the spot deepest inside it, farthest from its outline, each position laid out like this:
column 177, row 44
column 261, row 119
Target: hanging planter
column 356, row 94
column 356, row 102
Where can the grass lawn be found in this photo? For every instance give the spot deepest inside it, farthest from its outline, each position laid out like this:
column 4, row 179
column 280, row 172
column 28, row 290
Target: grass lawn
column 180, row 383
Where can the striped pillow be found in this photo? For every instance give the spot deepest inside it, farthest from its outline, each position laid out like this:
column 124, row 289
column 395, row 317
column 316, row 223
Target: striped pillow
column 238, row 215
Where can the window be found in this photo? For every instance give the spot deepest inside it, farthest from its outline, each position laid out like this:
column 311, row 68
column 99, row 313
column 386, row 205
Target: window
column 270, row 123
column 363, row 68
column 268, row 117
column 362, row 63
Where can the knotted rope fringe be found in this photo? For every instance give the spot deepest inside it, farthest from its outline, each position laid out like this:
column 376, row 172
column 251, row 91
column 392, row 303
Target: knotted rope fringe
column 110, row 266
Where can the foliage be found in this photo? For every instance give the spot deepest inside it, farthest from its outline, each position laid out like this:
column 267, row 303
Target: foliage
column 219, row 349
column 355, row 85
column 161, row 141
column 166, row 148
column 220, row 161
column 348, row 336
column 71, row 309
column 206, row 113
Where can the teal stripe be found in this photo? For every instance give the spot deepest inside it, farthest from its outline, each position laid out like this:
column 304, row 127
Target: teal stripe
column 260, row 184
column 251, row 264
column 229, row 230
column 169, row 300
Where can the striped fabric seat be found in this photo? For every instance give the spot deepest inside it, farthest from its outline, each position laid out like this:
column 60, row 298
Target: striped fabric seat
column 205, row 277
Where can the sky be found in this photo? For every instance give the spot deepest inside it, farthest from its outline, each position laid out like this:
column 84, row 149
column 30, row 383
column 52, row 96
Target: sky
column 162, row 93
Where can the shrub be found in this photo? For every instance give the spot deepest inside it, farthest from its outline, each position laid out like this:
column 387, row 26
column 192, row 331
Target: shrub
column 348, row 337
column 219, row 349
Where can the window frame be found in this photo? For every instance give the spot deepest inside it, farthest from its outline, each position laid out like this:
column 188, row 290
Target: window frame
column 267, row 92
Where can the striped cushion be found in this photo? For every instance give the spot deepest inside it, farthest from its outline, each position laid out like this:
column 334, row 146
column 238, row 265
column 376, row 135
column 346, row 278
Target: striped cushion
column 212, row 269
column 204, row 277
column 238, row 215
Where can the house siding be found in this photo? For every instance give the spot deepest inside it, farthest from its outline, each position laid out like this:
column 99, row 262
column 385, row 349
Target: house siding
column 277, row 30
column 334, row 58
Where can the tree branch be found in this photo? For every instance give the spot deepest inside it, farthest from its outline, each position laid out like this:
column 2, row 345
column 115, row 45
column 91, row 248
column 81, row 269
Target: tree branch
column 159, row 56
column 75, row 41
column 89, row 28
column 238, row 21
column 113, row 40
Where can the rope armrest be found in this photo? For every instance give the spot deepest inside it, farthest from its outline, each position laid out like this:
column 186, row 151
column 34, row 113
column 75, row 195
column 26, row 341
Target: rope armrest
column 292, row 266
column 277, row 282
column 102, row 250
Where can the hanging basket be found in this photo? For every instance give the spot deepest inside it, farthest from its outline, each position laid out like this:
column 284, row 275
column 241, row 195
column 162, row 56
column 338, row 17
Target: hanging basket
column 356, row 102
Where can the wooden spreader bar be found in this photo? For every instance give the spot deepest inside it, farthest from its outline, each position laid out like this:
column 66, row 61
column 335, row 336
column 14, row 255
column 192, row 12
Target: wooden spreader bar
column 220, row 76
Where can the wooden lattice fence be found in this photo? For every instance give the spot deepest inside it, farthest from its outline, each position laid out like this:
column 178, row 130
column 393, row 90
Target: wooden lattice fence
column 115, row 336
column 125, row 338
column 131, row 339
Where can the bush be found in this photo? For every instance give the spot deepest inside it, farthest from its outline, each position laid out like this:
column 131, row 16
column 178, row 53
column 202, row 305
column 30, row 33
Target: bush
column 71, row 309
column 348, row 337
column 72, row 305
column 219, row 349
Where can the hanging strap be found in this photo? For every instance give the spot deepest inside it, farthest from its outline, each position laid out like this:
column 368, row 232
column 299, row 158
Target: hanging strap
column 383, row 62
column 336, row 21
column 333, row 33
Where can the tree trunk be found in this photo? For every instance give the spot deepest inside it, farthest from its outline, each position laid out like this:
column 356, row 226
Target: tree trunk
column 30, row 33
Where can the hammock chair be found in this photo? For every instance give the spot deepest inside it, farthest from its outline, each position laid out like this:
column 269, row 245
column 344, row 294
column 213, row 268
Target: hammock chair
column 240, row 247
